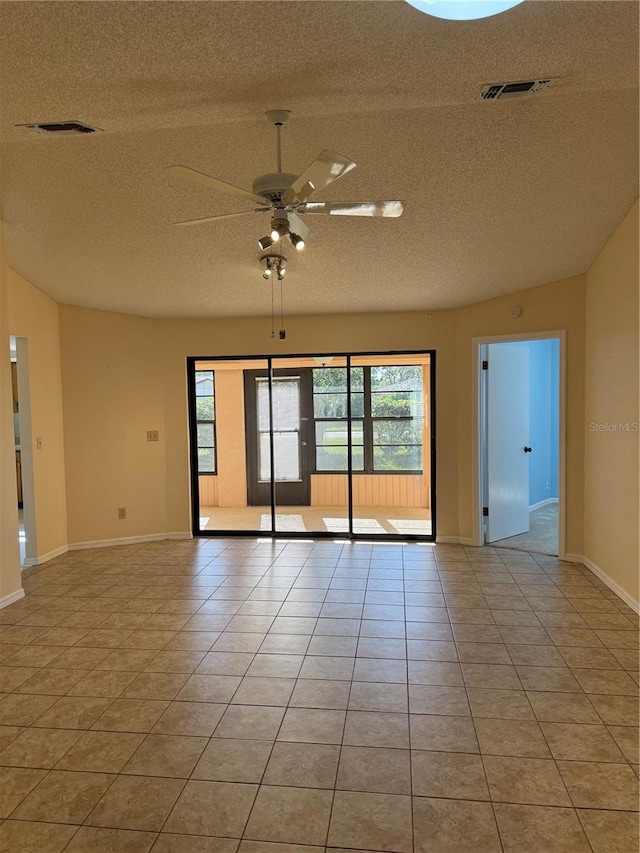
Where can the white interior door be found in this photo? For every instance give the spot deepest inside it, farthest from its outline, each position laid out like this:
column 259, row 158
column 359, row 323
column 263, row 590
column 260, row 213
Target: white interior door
column 507, row 435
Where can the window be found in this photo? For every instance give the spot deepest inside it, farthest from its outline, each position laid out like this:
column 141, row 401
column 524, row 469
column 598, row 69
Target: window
column 387, row 413
column 206, row 421
column 330, row 418
column 286, row 426
column 397, row 414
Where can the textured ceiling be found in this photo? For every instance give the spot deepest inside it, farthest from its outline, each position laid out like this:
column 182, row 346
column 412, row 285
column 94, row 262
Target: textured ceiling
column 498, row 196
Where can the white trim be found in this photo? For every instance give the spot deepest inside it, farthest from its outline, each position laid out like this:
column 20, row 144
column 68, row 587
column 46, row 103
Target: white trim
column 614, row 586
column 476, row 429
column 104, row 543
column 127, row 540
column 454, row 540
column 26, row 449
column 540, row 504
column 18, row 595
column 44, row 558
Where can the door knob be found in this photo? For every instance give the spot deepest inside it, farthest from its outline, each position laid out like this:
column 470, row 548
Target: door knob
column 303, row 443
column 528, row 449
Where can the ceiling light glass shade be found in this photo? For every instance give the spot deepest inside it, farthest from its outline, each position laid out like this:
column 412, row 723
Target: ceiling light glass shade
column 463, row 10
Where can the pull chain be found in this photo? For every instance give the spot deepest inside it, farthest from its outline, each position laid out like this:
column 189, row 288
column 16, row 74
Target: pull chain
column 273, row 331
column 283, row 334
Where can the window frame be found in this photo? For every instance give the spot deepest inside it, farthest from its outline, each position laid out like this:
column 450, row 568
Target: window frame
column 198, row 421
column 368, row 420
column 344, row 419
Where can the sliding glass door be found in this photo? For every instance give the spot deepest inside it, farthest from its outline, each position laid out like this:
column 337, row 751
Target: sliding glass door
column 322, row 445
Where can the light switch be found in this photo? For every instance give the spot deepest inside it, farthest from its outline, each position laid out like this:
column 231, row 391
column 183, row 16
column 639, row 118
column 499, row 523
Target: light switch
column 38, row 442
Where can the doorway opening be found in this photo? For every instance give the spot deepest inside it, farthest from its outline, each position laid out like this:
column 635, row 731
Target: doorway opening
column 331, row 445
column 23, row 450
column 520, row 452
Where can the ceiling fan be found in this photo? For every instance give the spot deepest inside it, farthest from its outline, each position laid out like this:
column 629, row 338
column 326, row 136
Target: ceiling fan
column 285, row 196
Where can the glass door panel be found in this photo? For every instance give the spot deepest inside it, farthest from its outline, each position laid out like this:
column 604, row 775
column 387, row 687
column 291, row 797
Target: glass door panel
column 391, row 491
column 288, row 445
column 226, row 467
column 323, row 432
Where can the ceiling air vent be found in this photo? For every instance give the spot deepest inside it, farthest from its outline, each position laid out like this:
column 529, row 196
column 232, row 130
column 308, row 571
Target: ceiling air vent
column 60, row 128
column 519, row 89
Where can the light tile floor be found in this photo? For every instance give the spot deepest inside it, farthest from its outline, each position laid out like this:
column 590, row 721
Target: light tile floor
column 245, row 696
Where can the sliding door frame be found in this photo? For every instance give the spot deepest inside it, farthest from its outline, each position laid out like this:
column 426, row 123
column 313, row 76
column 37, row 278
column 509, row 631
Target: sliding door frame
column 273, row 533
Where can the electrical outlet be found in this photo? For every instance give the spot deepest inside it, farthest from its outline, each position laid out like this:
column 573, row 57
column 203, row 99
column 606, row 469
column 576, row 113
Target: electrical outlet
column 122, row 512
column 153, row 435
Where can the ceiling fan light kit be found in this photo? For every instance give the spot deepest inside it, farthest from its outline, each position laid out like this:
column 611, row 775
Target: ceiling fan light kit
column 273, row 264
column 298, row 242
column 285, row 195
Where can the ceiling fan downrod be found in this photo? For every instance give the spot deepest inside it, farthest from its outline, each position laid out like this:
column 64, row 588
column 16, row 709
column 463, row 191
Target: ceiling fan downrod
column 278, row 119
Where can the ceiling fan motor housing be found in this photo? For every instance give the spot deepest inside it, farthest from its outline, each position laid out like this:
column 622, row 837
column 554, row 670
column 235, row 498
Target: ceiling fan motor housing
column 273, row 186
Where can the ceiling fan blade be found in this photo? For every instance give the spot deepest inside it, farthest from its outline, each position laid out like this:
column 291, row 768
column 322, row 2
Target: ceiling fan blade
column 214, row 183
column 221, row 216
column 298, row 226
column 354, row 208
column 324, row 170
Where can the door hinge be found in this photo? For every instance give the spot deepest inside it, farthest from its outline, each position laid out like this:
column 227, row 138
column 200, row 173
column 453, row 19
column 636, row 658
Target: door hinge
column 485, row 510
column 485, row 365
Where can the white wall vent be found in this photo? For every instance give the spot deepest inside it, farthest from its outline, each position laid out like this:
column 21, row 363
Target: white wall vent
column 60, row 128
column 518, row 89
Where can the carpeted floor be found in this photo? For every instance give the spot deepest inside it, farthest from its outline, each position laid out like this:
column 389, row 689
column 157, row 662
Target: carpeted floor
column 542, row 536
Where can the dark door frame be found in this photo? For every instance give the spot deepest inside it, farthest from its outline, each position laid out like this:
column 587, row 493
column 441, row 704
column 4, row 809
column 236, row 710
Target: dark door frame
column 273, row 533
column 296, row 493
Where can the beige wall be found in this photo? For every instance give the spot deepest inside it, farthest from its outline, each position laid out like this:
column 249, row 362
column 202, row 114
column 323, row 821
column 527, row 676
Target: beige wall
column 339, row 333
column 34, row 316
column 93, row 339
column 232, row 463
column 372, row 490
column 123, row 375
column 112, row 393
column 611, row 397
column 10, row 581
column 550, row 307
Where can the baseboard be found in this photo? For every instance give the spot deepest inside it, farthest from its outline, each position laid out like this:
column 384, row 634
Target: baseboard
column 127, row 540
column 545, row 502
column 18, row 595
column 30, row 562
column 454, row 540
column 614, row 586
column 58, row 552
